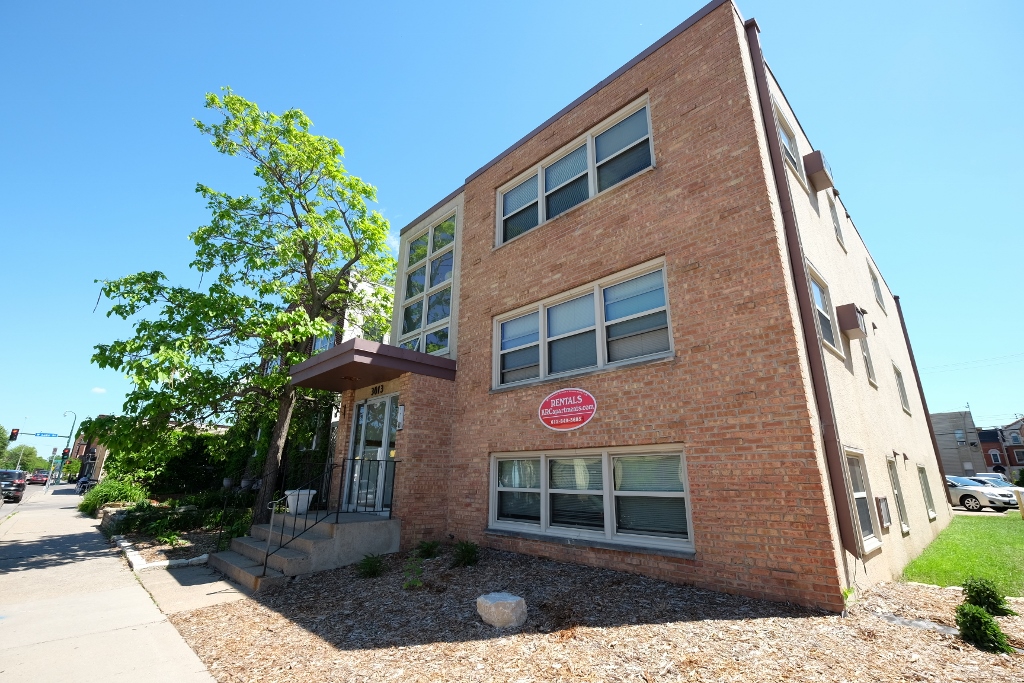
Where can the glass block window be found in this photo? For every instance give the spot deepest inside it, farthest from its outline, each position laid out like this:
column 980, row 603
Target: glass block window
column 607, row 155
column 634, row 497
column 617, row 319
column 427, row 292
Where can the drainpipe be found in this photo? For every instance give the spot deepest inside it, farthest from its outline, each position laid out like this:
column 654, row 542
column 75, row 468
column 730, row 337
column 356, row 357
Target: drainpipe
column 924, row 403
column 801, row 278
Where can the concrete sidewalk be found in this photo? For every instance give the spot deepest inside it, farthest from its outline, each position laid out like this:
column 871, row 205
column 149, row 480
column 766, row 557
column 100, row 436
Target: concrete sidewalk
column 71, row 610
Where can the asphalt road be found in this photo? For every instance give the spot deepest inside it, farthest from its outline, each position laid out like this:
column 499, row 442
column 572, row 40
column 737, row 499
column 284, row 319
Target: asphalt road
column 8, row 509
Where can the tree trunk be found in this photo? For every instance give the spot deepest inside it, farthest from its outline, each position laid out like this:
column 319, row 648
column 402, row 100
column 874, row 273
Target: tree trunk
column 285, row 407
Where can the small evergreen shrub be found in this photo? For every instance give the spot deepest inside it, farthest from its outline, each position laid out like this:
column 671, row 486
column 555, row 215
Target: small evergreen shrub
column 983, row 593
column 370, row 566
column 111, row 491
column 467, row 554
column 978, row 628
column 428, row 549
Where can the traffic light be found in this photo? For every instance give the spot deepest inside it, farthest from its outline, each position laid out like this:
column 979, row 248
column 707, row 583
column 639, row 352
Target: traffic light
column 14, row 435
column 64, row 454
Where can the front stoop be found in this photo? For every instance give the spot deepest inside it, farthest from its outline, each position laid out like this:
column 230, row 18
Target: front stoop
column 336, row 542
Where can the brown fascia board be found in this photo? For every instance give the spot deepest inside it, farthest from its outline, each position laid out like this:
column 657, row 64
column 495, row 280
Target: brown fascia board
column 687, row 23
column 359, row 363
column 414, row 222
column 842, row 503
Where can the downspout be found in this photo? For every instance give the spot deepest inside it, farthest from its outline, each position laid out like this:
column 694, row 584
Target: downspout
column 801, row 278
column 924, row 403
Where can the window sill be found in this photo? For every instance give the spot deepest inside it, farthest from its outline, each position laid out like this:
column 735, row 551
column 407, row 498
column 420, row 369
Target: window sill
column 932, row 516
column 684, row 554
column 842, row 244
column 908, row 412
column 905, row 529
column 835, row 352
column 586, row 201
column 870, row 546
column 873, row 383
column 653, row 358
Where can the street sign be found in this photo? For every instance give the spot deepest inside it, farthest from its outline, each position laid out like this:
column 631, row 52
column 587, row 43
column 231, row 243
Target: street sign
column 54, row 451
column 45, row 434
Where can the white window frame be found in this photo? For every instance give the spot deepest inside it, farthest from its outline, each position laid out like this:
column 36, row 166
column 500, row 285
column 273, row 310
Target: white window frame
column 790, row 154
column 996, row 460
column 876, row 286
column 1018, row 455
column 897, row 494
column 926, row 491
column 816, row 278
column 901, row 387
column 592, row 166
column 422, row 299
column 960, row 436
column 600, row 325
column 869, row 366
column 1015, row 439
column 835, row 218
column 874, row 541
column 608, row 492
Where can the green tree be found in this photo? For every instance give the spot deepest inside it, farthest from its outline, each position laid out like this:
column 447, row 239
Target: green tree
column 28, row 456
column 4, row 443
column 281, row 265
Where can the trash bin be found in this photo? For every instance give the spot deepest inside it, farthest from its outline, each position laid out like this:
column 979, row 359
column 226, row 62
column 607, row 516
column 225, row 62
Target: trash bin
column 298, row 500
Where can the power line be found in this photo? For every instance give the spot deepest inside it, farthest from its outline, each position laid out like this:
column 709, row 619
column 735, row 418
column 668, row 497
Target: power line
column 968, row 362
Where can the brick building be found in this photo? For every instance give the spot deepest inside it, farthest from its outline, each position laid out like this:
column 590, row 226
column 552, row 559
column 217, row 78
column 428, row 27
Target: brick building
column 1003, row 448
column 671, row 245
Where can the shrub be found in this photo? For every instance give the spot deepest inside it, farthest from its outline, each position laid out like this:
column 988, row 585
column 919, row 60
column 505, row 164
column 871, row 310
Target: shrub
column 370, row 566
column 467, row 554
column 413, row 572
column 111, row 491
column 979, row 629
column 428, row 549
column 983, row 593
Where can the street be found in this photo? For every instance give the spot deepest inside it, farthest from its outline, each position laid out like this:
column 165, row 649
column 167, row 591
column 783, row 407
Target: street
column 70, row 608
column 8, row 509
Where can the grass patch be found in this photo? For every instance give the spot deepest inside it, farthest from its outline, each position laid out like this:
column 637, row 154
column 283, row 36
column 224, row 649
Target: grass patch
column 984, row 546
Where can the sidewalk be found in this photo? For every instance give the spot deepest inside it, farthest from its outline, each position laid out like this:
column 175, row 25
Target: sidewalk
column 71, row 610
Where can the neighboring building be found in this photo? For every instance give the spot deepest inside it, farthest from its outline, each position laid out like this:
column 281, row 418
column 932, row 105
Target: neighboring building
column 959, row 445
column 1003, row 448
column 672, row 244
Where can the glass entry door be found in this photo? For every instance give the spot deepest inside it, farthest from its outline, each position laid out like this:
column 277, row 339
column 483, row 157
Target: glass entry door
column 371, row 475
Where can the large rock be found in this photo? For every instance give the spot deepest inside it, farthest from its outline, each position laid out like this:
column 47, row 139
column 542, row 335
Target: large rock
column 502, row 609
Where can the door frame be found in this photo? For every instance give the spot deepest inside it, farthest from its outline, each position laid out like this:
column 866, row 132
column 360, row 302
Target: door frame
column 346, row 504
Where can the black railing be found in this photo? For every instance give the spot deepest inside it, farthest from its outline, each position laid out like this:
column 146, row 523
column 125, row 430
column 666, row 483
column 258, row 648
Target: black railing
column 351, row 486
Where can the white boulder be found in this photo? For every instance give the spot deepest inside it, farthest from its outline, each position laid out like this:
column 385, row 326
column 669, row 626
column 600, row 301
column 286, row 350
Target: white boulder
column 502, row 609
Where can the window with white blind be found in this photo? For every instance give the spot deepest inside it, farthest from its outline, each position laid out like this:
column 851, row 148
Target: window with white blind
column 861, row 501
column 426, row 292
column 823, row 307
column 926, row 491
column 897, row 493
column 636, row 495
column 614, row 320
column 835, row 217
column 616, row 150
column 790, row 148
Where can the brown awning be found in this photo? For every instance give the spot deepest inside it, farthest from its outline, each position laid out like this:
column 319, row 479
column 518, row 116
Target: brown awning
column 358, row 363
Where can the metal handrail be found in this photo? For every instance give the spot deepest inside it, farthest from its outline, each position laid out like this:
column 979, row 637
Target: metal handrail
column 324, row 494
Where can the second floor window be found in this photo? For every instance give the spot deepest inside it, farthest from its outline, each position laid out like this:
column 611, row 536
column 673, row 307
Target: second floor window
column 602, row 159
column 823, row 306
column 427, row 290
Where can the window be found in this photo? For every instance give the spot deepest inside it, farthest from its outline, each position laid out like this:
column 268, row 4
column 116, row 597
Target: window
column 1018, row 455
column 876, row 286
column 328, row 341
column 884, row 515
column 634, row 496
column 1015, row 438
column 897, row 493
column 427, row 290
column 926, row 491
column 823, row 306
column 858, row 485
column 602, row 159
column 996, row 460
column 789, row 145
column 835, row 217
column 961, row 439
column 902, row 389
column 614, row 320
column 869, row 367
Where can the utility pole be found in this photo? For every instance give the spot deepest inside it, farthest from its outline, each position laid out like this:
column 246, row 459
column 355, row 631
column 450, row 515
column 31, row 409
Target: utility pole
column 71, row 434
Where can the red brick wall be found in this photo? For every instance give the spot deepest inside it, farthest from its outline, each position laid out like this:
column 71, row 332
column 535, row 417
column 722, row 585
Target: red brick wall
column 733, row 395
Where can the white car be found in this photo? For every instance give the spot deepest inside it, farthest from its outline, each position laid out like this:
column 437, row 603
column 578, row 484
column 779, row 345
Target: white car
column 974, row 496
column 1003, row 486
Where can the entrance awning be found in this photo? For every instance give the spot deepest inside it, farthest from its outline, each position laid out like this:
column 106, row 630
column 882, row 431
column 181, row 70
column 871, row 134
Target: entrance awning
column 358, row 363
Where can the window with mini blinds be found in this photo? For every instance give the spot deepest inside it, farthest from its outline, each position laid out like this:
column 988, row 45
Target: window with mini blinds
column 427, row 290
column 608, row 155
column 635, row 497
column 609, row 322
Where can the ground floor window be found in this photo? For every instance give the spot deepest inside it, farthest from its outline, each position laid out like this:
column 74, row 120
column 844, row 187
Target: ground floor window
column 897, row 493
column 637, row 496
column 926, row 490
column 861, row 501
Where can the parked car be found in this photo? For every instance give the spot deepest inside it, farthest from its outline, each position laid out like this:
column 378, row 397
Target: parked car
column 974, row 496
column 12, row 484
column 39, row 477
column 990, row 475
column 1003, row 486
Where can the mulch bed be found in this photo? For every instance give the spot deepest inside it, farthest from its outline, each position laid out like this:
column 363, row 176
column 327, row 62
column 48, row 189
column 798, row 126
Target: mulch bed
column 191, row 544
column 584, row 624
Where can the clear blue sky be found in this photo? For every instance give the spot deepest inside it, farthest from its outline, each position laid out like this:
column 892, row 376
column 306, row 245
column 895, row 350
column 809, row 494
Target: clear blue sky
column 917, row 105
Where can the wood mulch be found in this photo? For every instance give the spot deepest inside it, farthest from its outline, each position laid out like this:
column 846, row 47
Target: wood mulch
column 584, row 624
column 191, row 544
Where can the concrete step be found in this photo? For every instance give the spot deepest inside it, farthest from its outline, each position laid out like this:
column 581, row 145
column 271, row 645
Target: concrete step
column 287, row 560
column 245, row 571
column 303, row 541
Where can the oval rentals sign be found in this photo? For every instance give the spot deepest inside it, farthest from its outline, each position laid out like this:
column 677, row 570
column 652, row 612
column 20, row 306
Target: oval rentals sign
column 567, row 409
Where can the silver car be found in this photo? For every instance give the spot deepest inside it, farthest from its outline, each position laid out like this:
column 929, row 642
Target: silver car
column 974, row 495
column 1003, row 486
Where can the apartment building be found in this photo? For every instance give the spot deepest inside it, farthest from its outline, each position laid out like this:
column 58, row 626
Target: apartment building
column 958, row 443
column 648, row 336
column 1003, row 448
